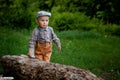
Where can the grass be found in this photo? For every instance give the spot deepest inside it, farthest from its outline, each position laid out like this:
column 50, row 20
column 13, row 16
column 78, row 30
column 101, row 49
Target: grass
column 88, row 50
column 12, row 42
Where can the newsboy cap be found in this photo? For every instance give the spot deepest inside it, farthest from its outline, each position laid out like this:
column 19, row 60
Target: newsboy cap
column 43, row 13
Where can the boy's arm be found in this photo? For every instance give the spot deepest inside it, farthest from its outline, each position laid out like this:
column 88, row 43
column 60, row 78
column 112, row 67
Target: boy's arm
column 56, row 40
column 32, row 42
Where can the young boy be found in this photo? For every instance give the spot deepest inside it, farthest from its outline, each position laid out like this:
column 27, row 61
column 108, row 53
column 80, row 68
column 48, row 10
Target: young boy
column 40, row 44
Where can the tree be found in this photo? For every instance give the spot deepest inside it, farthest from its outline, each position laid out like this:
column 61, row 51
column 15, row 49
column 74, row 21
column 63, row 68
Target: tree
column 107, row 10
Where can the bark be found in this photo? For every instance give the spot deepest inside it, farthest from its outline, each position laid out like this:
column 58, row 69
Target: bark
column 24, row 68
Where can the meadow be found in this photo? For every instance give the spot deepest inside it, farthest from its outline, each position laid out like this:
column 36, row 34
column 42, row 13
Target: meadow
column 88, row 50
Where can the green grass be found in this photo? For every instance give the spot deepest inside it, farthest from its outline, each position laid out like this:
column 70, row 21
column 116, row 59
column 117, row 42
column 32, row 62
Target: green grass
column 12, row 42
column 88, row 50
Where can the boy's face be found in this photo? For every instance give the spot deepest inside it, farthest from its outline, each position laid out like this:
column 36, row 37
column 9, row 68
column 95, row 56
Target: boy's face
column 43, row 21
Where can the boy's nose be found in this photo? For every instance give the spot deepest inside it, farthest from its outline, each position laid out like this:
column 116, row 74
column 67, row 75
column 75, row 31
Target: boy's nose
column 45, row 22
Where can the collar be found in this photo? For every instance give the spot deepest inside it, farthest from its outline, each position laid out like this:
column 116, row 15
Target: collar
column 45, row 29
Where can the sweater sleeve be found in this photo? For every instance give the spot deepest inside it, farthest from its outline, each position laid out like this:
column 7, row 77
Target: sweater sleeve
column 32, row 41
column 55, row 39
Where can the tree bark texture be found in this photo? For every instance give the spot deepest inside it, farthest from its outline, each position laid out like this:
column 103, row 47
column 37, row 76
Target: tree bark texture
column 23, row 68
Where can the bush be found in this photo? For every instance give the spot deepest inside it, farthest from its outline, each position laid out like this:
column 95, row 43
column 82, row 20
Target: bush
column 113, row 29
column 68, row 21
column 73, row 21
column 15, row 14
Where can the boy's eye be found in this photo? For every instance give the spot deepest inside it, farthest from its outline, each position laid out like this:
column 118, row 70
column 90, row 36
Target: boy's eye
column 42, row 20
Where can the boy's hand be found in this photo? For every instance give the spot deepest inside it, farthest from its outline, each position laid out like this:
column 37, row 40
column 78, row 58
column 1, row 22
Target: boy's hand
column 31, row 55
column 59, row 48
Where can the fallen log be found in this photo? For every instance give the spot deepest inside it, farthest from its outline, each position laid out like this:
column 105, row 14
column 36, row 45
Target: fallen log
column 24, row 68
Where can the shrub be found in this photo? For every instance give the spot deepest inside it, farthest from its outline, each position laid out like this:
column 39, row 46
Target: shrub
column 68, row 21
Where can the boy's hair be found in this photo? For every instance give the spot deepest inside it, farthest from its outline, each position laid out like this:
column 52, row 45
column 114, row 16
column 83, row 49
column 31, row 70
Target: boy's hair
column 43, row 13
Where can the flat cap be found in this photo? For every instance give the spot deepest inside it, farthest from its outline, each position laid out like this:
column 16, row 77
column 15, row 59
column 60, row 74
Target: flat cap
column 43, row 13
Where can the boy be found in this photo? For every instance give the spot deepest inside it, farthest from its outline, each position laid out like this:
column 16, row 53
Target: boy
column 40, row 44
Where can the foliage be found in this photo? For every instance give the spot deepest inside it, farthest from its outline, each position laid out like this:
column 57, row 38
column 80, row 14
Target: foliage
column 78, row 21
column 87, row 15
column 15, row 13
column 108, row 10
column 68, row 21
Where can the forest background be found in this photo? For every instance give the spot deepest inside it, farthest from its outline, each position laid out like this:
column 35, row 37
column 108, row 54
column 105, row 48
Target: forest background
column 88, row 28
